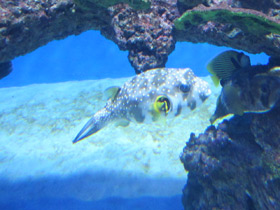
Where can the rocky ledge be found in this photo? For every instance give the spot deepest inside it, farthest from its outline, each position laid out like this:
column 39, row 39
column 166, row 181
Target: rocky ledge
column 148, row 29
column 236, row 165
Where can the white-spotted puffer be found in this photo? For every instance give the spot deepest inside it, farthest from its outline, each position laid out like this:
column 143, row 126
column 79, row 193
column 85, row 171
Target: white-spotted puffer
column 161, row 92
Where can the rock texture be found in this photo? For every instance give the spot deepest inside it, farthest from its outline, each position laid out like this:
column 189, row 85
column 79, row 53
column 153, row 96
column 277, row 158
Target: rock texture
column 143, row 27
column 147, row 35
column 236, row 165
column 247, row 29
column 27, row 25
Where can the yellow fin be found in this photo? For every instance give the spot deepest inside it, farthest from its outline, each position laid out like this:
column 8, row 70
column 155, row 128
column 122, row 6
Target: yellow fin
column 220, row 111
column 226, row 63
column 275, row 68
column 123, row 123
column 214, row 118
column 275, row 71
column 155, row 116
column 215, row 80
column 112, row 92
column 158, row 117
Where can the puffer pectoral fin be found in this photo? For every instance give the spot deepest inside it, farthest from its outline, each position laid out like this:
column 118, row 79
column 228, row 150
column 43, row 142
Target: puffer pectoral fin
column 123, row 123
column 112, row 92
column 155, row 115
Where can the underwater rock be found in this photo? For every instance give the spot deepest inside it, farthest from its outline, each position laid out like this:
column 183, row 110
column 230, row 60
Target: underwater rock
column 146, row 34
column 135, row 4
column 5, row 69
column 27, row 25
column 234, row 165
column 145, row 28
column 231, row 25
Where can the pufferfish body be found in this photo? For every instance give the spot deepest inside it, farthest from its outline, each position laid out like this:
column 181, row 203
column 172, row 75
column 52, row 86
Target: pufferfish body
column 149, row 96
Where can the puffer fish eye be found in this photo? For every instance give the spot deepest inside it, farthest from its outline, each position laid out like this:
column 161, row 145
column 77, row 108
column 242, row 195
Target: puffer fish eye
column 163, row 104
column 185, row 88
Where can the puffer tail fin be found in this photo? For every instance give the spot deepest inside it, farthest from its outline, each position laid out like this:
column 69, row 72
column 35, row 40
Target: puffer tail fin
column 96, row 123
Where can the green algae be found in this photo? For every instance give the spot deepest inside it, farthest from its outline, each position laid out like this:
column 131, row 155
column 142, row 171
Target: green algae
column 246, row 21
column 135, row 4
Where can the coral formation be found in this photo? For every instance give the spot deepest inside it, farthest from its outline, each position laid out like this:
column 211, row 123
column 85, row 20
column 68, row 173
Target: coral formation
column 27, row 25
column 135, row 4
column 234, row 166
column 147, row 35
column 246, row 29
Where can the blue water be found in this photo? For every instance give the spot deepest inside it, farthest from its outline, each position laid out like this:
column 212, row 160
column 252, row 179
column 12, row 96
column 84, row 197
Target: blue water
column 58, row 193
column 91, row 56
column 147, row 203
column 84, row 57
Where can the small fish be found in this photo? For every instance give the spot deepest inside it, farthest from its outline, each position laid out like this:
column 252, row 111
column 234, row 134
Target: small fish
column 225, row 64
column 5, row 69
column 248, row 89
column 148, row 97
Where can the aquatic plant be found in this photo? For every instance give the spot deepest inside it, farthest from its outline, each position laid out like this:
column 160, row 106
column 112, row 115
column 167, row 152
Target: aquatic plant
column 247, row 20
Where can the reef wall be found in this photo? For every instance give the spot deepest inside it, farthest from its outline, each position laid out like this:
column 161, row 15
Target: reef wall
column 236, row 165
column 148, row 29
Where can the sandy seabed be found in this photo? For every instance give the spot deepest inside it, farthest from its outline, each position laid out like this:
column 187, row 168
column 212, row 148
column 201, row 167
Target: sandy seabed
column 38, row 160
